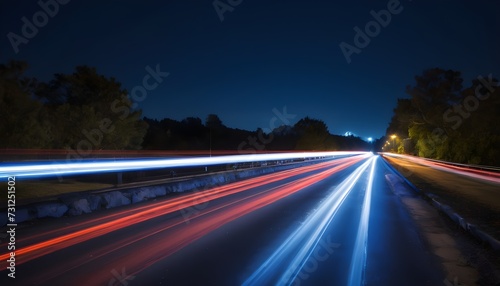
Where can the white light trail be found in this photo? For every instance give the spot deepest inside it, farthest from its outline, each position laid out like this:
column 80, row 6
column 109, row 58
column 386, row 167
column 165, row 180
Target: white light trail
column 358, row 261
column 46, row 169
column 304, row 240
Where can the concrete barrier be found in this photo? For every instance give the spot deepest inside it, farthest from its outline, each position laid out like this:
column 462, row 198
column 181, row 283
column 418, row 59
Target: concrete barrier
column 25, row 214
column 142, row 194
column 95, row 202
column 50, row 210
column 79, row 206
column 115, row 199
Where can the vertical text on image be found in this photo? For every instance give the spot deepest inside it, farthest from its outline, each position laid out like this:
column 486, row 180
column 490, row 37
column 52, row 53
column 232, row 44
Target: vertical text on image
column 11, row 225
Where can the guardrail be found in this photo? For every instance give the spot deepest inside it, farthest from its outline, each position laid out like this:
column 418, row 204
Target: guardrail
column 42, row 169
column 446, row 163
column 476, row 167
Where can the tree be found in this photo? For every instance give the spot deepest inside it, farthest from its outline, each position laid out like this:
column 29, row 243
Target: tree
column 23, row 121
column 93, row 109
column 313, row 135
column 213, row 121
column 435, row 90
column 404, row 113
column 446, row 121
column 421, row 116
column 477, row 137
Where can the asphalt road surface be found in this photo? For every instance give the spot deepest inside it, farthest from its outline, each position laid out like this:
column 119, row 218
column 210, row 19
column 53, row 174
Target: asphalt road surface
column 332, row 223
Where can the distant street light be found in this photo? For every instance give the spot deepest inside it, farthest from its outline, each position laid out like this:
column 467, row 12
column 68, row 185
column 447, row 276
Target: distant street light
column 393, row 137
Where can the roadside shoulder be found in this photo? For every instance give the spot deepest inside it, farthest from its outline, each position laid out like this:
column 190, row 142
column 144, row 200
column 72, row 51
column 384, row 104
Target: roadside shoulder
column 440, row 239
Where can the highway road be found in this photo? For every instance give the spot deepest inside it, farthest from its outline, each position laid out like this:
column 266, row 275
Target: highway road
column 332, row 223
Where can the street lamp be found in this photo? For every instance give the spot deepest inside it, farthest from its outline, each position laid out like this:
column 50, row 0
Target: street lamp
column 393, row 137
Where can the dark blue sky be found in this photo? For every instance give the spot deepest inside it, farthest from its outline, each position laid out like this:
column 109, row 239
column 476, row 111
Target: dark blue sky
column 264, row 55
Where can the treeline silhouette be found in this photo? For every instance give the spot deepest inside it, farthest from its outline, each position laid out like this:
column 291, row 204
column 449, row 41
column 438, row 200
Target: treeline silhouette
column 192, row 134
column 86, row 111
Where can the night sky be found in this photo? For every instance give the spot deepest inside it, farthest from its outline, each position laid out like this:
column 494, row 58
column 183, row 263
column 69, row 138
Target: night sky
column 263, row 56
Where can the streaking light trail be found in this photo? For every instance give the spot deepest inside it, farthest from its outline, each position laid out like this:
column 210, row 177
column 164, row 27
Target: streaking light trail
column 47, row 169
column 126, row 218
column 456, row 169
column 358, row 261
column 304, row 240
column 309, row 225
column 169, row 237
